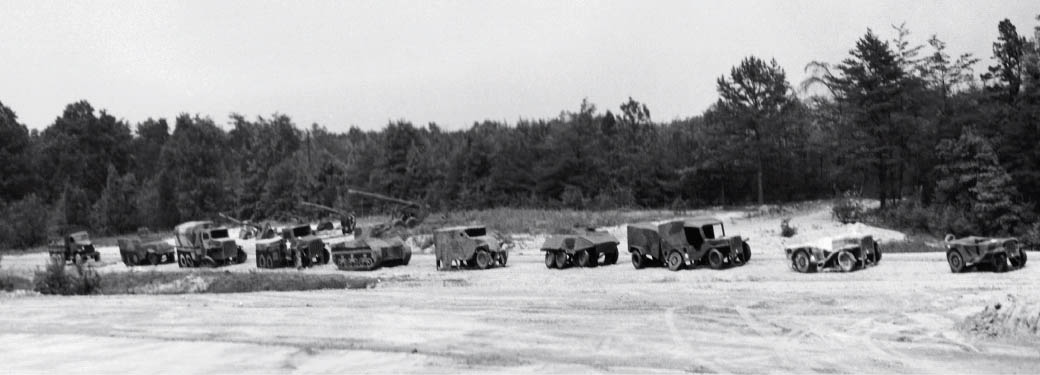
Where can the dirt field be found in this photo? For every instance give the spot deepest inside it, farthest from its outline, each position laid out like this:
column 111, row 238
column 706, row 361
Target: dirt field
column 761, row 318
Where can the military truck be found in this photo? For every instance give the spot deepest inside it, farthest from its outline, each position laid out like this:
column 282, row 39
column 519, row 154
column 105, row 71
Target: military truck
column 74, row 247
column 146, row 248
column 588, row 249
column 367, row 253
column 304, row 247
column 683, row 243
column 844, row 253
column 1000, row 254
column 203, row 244
column 468, row 246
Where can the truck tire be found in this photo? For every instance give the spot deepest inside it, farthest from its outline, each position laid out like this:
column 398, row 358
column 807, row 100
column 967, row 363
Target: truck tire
column 638, row 261
column 674, row 261
column 956, row 261
column 715, row 259
column 802, row 263
column 483, row 259
column 133, row 260
column 153, row 259
column 241, row 256
column 97, row 256
column 408, row 258
column 1000, row 263
column 877, row 253
column 503, row 258
column 846, row 261
column 561, row 259
column 550, row 260
column 593, row 258
column 1022, row 259
column 746, row 250
column 582, row 258
column 611, row 257
column 326, row 255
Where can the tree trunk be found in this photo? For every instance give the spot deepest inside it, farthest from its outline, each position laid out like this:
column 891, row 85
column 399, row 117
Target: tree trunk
column 761, row 201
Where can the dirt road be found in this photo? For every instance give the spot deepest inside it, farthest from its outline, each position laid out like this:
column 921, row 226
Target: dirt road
column 760, row 318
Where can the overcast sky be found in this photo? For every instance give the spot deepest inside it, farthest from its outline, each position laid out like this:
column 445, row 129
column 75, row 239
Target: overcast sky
column 364, row 63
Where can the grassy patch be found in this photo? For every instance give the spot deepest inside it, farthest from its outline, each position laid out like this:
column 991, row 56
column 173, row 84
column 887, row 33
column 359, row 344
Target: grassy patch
column 911, row 245
column 155, row 282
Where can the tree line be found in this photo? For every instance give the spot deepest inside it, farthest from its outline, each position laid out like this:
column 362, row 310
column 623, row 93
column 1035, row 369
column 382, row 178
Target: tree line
column 909, row 123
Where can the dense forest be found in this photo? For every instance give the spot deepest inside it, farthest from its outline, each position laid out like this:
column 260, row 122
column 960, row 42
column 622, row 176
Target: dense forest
column 901, row 119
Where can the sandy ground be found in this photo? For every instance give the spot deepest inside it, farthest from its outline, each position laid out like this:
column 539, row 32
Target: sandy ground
column 898, row 317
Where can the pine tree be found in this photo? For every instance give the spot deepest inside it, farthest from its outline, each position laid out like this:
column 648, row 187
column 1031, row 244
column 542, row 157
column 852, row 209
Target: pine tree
column 972, row 179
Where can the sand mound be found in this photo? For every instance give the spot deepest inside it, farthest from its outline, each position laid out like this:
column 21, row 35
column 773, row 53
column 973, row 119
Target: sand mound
column 1007, row 318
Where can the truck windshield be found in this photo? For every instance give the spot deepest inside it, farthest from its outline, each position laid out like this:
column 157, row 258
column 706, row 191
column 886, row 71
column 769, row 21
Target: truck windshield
column 476, row 232
column 301, row 231
column 218, row 233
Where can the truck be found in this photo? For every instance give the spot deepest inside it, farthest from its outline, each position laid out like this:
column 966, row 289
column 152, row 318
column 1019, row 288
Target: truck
column 1000, row 254
column 679, row 244
column 299, row 247
column 588, row 249
column 844, row 253
column 74, row 247
column 146, row 248
column 204, row 244
column 468, row 247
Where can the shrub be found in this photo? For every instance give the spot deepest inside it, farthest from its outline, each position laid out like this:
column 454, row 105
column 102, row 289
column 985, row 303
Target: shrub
column 786, row 229
column 848, row 209
column 55, row 279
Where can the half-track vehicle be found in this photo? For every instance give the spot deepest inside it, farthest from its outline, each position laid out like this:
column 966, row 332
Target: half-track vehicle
column 203, row 244
column 685, row 243
column 844, row 253
column 369, row 253
column 146, row 248
column 588, row 249
column 468, row 246
column 1000, row 254
column 74, row 247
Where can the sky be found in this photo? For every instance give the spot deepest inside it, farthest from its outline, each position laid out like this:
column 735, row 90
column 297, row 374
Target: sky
column 366, row 63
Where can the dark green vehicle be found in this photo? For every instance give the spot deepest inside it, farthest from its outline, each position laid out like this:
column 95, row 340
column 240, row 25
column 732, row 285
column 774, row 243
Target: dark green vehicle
column 678, row 244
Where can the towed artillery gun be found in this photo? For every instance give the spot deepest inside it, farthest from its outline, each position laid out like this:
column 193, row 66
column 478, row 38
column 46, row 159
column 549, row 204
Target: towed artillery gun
column 146, row 248
column 681, row 243
column 984, row 251
column 203, row 244
column 74, row 247
column 468, row 247
column 588, row 249
column 844, row 253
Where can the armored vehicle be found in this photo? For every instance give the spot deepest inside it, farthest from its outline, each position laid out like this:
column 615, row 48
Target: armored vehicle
column 467, row 246
column 146, row 248
column 74, row 247
column 203, row 244
column 843, row 253
column 681, row 243
column 984, row 251
column 589, row 249
column 369, row 253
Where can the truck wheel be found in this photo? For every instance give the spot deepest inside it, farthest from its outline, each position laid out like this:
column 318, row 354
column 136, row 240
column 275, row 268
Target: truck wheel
column 846, row 261
column 611, row 257
column 877, row 253
column 326, row 255
column 503, row 258
column 746, row 250
column 550, row 260
column 153, row 259
column 561, row 259
column 802, row 263
column 675, row 261
column 133, row 260
column 593, row 258
column 715, row 259
column 638, row 261
column 1000, row 263
column 97, row 256
column 1022, row 259
column 582, row 258
column 241, row 256
column 483, row 260
column 956, row 261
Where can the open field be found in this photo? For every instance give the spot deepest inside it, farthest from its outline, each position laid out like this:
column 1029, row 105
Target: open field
column 900, row 316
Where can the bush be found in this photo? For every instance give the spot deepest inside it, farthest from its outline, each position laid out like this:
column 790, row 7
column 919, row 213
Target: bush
column 23, row 224
column 786, row 229
column 848, row 209
column 55, row 279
